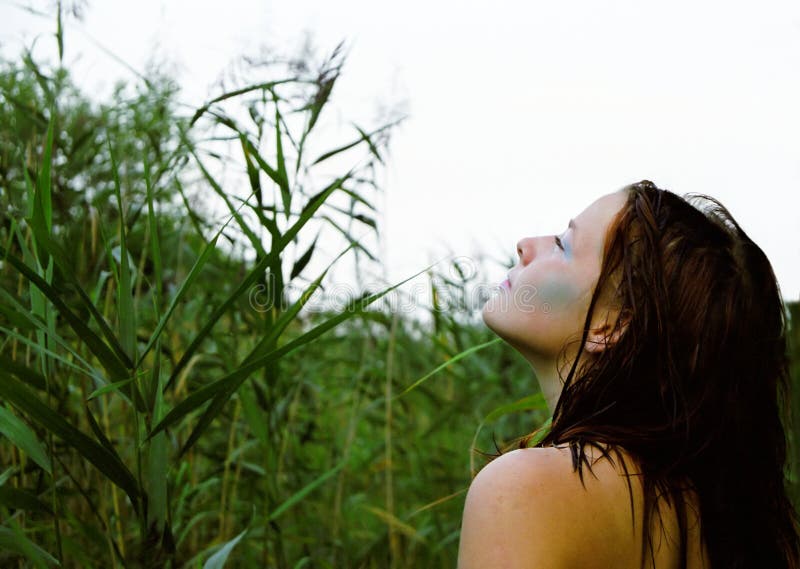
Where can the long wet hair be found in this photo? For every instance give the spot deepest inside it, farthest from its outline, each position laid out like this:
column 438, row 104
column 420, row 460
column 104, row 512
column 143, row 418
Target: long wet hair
column 696, row 388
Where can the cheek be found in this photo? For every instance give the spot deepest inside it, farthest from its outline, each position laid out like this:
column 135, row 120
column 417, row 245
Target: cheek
column 558, row 294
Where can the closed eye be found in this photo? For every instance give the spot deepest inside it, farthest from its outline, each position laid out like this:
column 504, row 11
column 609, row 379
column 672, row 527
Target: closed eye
column 559, row 243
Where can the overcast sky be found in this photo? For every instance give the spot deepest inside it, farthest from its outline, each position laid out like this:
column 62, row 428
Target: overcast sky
column 520, row 113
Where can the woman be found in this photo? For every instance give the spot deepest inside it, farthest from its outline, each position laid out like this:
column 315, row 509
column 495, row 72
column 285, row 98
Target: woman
column 657, row 333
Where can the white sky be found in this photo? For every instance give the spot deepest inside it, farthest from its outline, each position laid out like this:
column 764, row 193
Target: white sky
column 521, row 113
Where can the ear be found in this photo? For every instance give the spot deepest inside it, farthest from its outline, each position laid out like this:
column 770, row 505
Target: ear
column 603, row 335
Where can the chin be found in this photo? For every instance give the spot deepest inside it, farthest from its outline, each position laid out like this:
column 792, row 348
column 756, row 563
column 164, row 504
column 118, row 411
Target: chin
column 498, row 321
column 489, row 315
column 493, row 317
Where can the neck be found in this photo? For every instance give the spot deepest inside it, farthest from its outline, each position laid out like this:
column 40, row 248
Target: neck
column 546, row 373
column 547, row 370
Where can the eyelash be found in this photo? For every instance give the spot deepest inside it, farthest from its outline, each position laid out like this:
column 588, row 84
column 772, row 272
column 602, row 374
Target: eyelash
column 559, row 243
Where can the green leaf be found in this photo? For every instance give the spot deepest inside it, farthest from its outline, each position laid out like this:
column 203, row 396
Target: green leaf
column 541, row 433
column 365, row 137
column 528, row 403
column 277, row 175
column 286, row 317
column 34, row 378
column 254, row 415
column 113, row 365
column 15, row 540
column 365, row 220
column 155, row 242
column 255, row 241
column 60, row 36
column 257, row 273
column 22, row 437
column 127, row 314
column 26, row 374
column 531, row 402
column 346, row 235
column 157, row 457
column 283, row 178
column 326, row 84
column 368, row 139
column 43, row 203
column 306, row 490
column 98, row 432
column 196, row 268
column 449, row 362
column 257, row 87
column 62, row 261
column 107, row 462
column 227, row 385
column 252, row 172
column 111, row 387
column 20, row 499
column 217, row 561
column 301, row 263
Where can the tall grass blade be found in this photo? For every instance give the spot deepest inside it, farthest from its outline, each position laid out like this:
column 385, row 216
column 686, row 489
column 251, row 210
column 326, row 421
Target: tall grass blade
column 155, row 242
column 531, row 402
column 217, row 561
column 126, row 314
column 24, row 373
column 255, row 241
column 98, row 432
column 256, row 273
column 36, row 379
column 368, row 139
column 228, row 384
column 306, row 490
column 283, row 179
column 22, row 437
column 15, row 540
column 157, row 457
column 44, row 219
column 275, row 174
column 229, row 95
column 253, row 415
column 395, row 522
column 108, row 463
column 185, row 285
column 49, row 249
column 449, row 362
column 365, row 137
column 110, row 388
column 101, row 351
column 252, row 175
column 346, row 235
column 541, row 432
column 19, row 499
column 288, row 316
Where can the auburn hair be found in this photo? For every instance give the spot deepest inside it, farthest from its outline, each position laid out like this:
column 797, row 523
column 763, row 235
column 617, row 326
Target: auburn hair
column 696, row 388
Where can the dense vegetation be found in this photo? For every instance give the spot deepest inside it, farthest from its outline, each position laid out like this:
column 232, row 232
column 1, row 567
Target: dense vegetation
column 168, row 397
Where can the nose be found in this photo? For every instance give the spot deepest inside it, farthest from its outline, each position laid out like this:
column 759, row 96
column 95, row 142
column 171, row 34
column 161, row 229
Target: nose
column 526, row 249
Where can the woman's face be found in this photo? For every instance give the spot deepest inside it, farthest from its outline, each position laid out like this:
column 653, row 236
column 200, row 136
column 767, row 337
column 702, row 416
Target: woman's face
column 545, row 300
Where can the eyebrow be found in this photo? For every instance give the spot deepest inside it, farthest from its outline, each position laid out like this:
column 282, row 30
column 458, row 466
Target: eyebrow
column 574, row 231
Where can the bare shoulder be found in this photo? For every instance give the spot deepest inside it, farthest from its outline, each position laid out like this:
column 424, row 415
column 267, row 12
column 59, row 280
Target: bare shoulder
column 529, row 507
